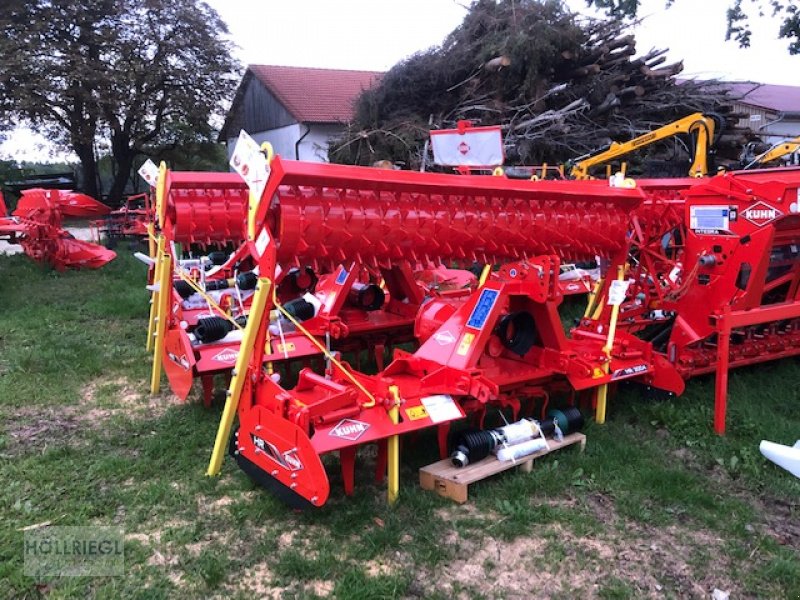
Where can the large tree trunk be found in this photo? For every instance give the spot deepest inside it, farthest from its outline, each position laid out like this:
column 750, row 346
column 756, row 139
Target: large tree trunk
column 123, row 156
column 86, row 155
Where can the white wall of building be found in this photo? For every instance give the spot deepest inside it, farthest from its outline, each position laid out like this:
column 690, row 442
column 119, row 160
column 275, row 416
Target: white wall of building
column 781, row 130
column 313, row 147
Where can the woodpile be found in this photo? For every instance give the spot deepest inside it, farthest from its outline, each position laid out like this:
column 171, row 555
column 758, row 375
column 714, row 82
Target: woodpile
column 560, row 87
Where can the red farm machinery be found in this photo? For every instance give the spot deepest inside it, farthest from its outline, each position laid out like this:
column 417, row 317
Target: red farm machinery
column 326, row 261
column 36, row 226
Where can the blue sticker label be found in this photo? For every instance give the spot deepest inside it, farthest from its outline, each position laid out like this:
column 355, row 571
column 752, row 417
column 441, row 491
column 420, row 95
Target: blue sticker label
column 482, row 309
column 340, row 278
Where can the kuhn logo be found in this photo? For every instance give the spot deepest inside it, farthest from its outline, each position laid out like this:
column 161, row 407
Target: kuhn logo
column 348, row 429
column 225, row 356
column 761, row 213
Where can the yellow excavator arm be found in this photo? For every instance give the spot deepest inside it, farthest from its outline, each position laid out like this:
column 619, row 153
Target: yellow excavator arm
column 778, row 151
column 701, row 126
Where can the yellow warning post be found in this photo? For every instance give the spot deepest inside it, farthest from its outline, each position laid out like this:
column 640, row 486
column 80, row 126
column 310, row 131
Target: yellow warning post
column 393, row 449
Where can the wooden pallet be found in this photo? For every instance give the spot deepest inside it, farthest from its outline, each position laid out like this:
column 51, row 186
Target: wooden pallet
column 452, row 482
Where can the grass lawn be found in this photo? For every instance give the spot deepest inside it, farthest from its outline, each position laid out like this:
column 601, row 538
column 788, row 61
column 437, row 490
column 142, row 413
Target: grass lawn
column 657, row 506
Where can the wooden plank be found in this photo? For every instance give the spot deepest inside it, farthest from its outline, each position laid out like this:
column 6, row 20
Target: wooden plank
column 453, row 482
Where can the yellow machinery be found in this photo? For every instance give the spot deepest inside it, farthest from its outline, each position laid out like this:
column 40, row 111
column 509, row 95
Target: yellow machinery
column 777, row 152
column 702, row 127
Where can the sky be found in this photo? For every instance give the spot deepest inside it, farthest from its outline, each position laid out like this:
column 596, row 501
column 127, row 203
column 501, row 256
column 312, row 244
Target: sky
column 376, row 34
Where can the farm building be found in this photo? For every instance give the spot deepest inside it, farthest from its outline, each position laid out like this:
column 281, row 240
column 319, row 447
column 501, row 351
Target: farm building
column 773, row 111
column 296, row 109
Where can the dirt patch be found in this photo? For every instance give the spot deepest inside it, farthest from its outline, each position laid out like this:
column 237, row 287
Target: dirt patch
column 167, row 554
column 323, row 589
column 30, row 428
column 37, row 428
column 781, row 520
column 550, row 561
column 105, row 398
column 257, row 580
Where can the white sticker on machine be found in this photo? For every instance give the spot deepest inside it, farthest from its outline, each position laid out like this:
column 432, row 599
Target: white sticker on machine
column 617, row 291
column 262, row 241
column 441, row 408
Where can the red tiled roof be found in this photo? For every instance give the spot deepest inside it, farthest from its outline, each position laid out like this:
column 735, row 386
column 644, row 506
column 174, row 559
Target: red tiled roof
column 780, row 98
column 315, row 95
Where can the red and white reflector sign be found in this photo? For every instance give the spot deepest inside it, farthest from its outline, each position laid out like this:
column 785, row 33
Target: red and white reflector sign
column 248, row 161
column 149, row 172
column 468, row 147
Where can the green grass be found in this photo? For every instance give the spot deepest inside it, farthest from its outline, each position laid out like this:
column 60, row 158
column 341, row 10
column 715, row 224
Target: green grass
column 656, row 499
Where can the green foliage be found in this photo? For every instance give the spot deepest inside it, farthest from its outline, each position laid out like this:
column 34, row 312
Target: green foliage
column 194, row 156
column 738, row 16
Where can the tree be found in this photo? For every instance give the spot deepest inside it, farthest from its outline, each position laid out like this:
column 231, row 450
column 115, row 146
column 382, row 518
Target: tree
column 132, row 76
column 738, row 15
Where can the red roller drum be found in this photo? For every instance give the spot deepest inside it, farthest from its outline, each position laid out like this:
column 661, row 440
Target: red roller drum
column 326, row 214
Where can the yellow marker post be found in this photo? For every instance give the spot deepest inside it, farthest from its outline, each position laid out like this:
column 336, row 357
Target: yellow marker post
column 592, row 297
column 156, row 249
column 487, row 269
column 239, row 374
column 151, row 240
column 151, row 323
column 161, row 303
column 393, row 449
column 161, row 192
column 602, row 391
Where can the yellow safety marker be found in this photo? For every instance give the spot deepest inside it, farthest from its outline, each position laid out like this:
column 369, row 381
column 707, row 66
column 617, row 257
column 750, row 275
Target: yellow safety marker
column 156, row 248
column 602, row 391
column 487, row 269
column 393, row 450
column 151, row 323
column 151, row 240
column 257, row 309
column 592, row 298
column 161, row 192
column 161, row 301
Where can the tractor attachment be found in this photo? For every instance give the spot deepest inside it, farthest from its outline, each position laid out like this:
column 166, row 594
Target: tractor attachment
column 36, row 226
column 498, row 345
column 718, row 287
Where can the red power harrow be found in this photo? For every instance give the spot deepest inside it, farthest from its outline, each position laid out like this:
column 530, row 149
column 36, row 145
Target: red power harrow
column 501, row 345
column 701, row 274
column 714, row 278
column 36, row 226
column 202, row 300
